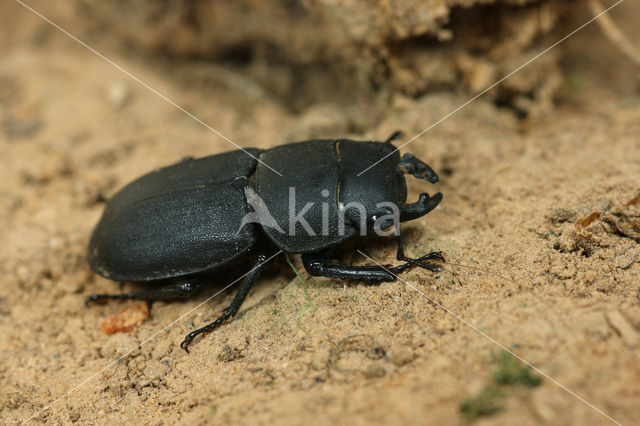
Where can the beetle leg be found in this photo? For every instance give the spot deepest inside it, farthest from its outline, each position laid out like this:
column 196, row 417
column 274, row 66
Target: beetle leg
column 319, row 265
column 436, row 255
column 181, row 290
column 398, row 134
column 421, row 207
column 232, row 309
column 412, row 165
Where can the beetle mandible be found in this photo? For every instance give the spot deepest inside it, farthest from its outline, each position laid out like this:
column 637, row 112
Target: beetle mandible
column 173, row 225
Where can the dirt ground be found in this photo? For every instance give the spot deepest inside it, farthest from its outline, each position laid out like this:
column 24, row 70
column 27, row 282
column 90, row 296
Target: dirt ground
column 540, row 226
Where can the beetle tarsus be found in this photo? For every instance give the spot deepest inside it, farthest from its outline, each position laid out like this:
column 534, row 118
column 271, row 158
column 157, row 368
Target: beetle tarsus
column 206, row 329
column 426, row 265
column 420, row 262
column 435, row 255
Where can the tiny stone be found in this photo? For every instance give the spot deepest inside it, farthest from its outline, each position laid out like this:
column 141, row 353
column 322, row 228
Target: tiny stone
column 119, row 94
column 400, row 356
column 19, row 129
column 23, row 274
column 373, row 372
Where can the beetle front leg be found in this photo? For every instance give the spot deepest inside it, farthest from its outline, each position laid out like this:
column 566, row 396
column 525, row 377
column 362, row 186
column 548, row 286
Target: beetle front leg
column 435, row 255
column 420, row 208
column 180, row 290
column 233, row 308
column 319, row 265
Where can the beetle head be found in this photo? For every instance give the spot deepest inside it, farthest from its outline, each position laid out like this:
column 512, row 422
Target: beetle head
column 421, row 170
column 377, row 198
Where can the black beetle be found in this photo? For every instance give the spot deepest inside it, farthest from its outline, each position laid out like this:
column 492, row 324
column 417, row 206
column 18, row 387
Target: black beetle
column 173, row 225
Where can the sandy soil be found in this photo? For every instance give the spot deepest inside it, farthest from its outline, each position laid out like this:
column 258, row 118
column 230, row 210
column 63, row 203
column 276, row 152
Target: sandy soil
column 528, row 263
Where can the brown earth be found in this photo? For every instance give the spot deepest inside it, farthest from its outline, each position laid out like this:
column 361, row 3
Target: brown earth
column 540, row 226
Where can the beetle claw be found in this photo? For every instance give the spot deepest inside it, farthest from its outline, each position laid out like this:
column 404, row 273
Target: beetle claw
column 430, row 266
column 185, row 343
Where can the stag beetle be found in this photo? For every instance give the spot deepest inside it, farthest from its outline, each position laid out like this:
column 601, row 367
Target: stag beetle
column 173, row 225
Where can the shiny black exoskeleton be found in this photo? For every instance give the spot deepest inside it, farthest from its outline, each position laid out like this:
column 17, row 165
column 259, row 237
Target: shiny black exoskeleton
column 171, row 226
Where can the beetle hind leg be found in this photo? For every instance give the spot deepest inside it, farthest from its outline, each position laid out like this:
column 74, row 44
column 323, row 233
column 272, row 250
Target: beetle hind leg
column 233, row 308
column 180, row 290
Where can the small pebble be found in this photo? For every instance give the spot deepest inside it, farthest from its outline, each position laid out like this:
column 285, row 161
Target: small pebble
column 119, row 94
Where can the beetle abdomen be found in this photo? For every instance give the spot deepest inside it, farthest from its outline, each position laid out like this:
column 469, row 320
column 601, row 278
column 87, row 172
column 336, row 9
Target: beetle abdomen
column 179, row 220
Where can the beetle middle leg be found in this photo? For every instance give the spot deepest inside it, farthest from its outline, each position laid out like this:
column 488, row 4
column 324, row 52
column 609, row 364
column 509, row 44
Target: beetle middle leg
column 232, row 309
column 318, row 264
column 179, row 290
